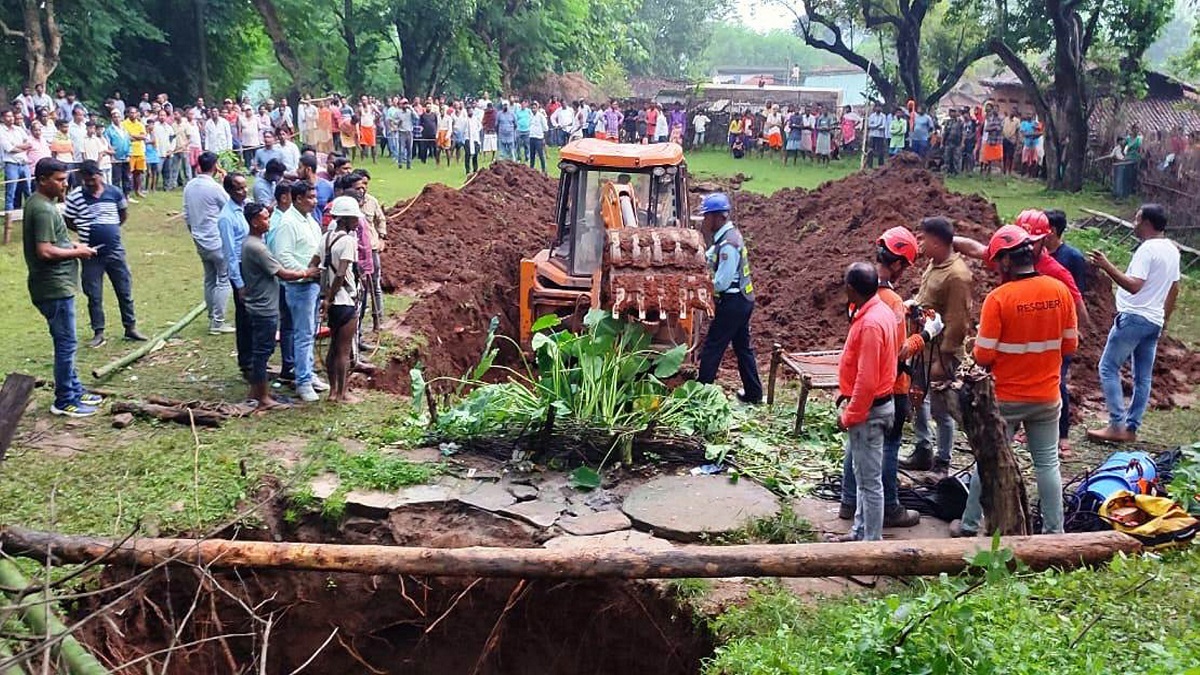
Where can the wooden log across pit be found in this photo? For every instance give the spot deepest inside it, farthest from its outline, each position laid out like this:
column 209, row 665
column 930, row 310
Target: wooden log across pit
column 891, row 558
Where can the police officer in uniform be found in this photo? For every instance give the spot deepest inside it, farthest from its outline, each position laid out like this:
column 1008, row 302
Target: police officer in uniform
column 734, row 292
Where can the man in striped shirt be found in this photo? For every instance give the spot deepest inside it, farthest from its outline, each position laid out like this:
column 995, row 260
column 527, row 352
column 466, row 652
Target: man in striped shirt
column 1026, row 327
column 96, row 211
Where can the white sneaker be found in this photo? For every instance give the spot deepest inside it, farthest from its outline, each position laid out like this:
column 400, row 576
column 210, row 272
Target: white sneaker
column 306, row 393
column 318, row 384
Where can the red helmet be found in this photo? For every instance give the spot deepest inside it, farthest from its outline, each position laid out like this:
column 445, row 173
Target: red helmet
column 1006, row 238
column 1035, row 223
column 901, row 242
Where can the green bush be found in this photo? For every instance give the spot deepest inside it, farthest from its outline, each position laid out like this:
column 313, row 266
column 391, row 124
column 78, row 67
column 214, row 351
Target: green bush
column 1140, row 615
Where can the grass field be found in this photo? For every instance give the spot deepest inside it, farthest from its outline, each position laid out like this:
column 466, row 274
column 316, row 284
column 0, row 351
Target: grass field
column 83, row 476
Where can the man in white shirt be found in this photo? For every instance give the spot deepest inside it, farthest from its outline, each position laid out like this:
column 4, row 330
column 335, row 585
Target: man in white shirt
column 538, row 126
column 77, row 131
column 564, row 117
column 1145, row 300
column 699, row 127
column 14, row 143
column 877, row 136
column 218, row 137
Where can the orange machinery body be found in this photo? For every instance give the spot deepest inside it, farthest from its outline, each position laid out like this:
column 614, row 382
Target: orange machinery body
column 634, row 257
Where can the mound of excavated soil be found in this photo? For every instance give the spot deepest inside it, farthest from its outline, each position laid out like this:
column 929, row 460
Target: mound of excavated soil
column 459, row 251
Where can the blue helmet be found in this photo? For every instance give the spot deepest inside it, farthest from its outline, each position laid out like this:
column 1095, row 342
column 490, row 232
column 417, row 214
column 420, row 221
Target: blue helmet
column 715, row 202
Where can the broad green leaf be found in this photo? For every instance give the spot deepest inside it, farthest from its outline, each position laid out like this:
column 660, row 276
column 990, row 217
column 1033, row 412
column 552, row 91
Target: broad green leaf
column 543, row 343
column 546, row 321
column 670, row 361
column 594, row 317
column 417, row 377
column 585, row 478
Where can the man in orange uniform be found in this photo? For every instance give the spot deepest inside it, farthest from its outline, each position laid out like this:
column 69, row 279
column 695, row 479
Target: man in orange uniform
column 1037, row 225
column 866, row 377
column 897, row 251
column 1026, row 326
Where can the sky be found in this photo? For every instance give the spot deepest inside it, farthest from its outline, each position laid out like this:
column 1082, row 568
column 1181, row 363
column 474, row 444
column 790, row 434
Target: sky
column 764, row 15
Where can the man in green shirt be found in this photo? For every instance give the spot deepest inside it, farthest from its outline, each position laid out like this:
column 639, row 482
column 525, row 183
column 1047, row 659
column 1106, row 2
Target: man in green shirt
column 53, row 265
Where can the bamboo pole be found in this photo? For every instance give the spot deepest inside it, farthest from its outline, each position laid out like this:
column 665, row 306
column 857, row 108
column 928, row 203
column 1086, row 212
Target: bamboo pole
column 41, row 621
column 891, row 558
column 154, row 342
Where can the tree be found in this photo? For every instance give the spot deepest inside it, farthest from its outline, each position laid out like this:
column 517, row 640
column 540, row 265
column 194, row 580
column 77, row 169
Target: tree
column 1076, row 31
column 42, row 38
column 673, row 34
column 845, row 28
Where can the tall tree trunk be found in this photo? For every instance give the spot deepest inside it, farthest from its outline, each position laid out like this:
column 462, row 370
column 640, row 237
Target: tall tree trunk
column 202, row 45
column 1070, row 93
column 354, row 67
column 279, row 40
column 43, row 39
column 908, row 59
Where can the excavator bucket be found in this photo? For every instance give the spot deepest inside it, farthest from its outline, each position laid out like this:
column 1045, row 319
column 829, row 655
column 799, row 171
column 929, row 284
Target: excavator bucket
column 656, row 274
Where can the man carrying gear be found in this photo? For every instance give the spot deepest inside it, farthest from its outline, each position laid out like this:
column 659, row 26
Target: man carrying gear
column 734, row 293
column 896, row 251
column 1026, row 326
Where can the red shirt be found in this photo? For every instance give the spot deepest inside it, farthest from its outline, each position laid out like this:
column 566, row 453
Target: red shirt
column 867, row 367
column 1047, row 266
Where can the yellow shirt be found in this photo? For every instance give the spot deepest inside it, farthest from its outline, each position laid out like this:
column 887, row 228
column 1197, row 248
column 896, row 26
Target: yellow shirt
column 135, row 128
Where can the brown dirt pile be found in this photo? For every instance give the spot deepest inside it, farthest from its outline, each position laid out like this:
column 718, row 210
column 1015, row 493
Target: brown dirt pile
column 459, row 251
column 802, row 241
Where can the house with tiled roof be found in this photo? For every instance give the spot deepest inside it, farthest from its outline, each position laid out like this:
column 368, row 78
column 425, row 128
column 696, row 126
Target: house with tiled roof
column 1169, row 106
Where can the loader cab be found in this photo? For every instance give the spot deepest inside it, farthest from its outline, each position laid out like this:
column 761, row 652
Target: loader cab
column 605, row 186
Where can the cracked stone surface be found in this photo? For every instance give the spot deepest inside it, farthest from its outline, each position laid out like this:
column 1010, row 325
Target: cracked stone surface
column 537, row 512
column 625, row 539
column 486, row 496
column 688, row 508
column 600, row 522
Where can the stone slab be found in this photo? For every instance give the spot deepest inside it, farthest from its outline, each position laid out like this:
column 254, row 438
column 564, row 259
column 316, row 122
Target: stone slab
column 324, row 485
column 487, row 496
column 523, row 493
column 823, row 515
column 600, row 522
column 538, row 513
column 625, row 539
column 689, row 508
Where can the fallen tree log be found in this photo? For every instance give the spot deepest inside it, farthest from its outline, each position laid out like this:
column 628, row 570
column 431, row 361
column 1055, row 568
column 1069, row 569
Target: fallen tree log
column 187, row 416
column 151, row 344
column 890, row 558
column 42, row 622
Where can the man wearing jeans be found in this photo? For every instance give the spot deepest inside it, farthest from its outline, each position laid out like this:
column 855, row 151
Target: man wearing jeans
column 14, row 143
column 946, row 289
column 866, row 378
column 233, row 229
column 1026, row 326
column 97, row 211
column 295, row 244
column 53, row 277
column 1145, row 300
column 203, row 200
column 896, row 251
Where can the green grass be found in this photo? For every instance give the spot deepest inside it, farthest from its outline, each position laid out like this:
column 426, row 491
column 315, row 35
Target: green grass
column 84, row 476
column 1138, row 615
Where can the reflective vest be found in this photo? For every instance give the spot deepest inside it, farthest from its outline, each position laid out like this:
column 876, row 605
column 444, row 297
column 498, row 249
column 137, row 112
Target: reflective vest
column 733, row 239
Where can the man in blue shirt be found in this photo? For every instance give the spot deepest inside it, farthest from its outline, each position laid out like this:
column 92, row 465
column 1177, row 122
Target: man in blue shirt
column 734, row 293
column 266, row 153
column 96, row 212
column 1071, row 258
column 120, row 142
column 524, row 117
column 506, row 130
column 231, row 223
column 1030, row 133
column 922, row 129
column 324, row 188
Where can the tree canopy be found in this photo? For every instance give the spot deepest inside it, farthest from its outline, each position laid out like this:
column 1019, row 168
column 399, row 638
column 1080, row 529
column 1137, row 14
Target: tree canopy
column 197, row 47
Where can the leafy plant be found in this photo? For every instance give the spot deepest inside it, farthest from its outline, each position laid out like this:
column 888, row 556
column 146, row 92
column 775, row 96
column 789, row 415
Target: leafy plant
column 783, row 528
column 1185, row 480
column 606, row 377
